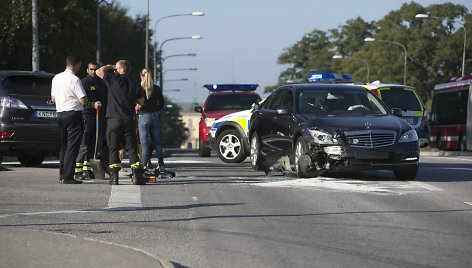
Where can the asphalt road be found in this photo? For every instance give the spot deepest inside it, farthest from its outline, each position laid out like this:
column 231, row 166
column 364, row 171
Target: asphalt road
column 219, row 215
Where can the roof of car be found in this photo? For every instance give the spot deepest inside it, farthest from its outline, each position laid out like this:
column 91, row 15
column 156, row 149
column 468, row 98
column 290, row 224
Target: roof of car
column 331, row 86
column 6, row 73
column 234, row 92
column 379, row 85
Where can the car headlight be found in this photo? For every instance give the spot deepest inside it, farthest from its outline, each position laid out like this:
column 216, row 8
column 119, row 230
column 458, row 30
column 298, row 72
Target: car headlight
column 409, row 136
column 321, row 137
column 209, row 121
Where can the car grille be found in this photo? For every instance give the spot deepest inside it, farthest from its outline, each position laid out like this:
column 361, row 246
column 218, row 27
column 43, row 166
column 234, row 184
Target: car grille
column 370, row 139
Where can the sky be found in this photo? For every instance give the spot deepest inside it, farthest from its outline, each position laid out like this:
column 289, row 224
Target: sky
column 242, row 39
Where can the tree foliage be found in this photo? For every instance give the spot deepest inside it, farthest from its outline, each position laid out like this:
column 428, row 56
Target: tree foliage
column 173, row 129
column 69, row 27
column 434, row 48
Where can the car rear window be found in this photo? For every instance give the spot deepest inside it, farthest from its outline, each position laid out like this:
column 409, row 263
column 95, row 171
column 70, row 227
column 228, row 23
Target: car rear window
column 230, row 102
column 27, row 85
column 400, row 98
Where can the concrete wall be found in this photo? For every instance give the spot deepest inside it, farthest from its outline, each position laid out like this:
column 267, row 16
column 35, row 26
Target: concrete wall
column 191, row 121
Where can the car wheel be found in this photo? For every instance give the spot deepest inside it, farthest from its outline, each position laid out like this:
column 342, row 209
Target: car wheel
column 303, row 160
column 301, row 167
column 204, row 150
column 255, row 154
column 30, row 160
column 406, row 174
column 230, row 147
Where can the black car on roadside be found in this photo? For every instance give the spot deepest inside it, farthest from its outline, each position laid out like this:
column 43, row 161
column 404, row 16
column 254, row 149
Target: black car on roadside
column 28, row 125
column 312, row 128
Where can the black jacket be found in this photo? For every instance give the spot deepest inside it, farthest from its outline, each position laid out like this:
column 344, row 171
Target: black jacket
column 96, row 90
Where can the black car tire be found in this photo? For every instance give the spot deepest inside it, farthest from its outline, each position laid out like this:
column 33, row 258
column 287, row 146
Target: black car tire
column 204, row 150
column 303, row 161
column 231, row 140
column 31, row 159
column 255, row 152
column 406, row 174
column 300, row 150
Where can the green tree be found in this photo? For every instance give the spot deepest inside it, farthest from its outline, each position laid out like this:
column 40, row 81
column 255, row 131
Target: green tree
column 312, row 52
column 434, row 48
column 174, row 131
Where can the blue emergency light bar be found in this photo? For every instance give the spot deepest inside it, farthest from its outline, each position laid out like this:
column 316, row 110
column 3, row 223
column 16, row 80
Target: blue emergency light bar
column 328, row 77
column 231, row 87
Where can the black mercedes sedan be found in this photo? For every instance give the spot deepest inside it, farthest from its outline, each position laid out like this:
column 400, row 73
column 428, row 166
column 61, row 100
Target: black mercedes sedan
column 308, row 129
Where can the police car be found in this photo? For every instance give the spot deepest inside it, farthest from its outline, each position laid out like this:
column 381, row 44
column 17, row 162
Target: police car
column 224, row 99
column 412, row 108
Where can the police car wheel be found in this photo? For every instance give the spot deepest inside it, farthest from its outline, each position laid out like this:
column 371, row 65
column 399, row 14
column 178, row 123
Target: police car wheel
column 204, row 150
column 230, row 147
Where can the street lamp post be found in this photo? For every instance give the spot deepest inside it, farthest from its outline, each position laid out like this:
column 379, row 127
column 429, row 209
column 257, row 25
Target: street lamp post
column 186, row 69
column 366, row 62
column 195, row 13
column 176, row 80
column 163, row 59
column 98, row 57
column 369, row 39
column 426, row 16
column 161, row 72
column 35, row 37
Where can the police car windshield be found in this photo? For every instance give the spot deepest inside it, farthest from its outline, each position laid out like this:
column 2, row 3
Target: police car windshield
column 401, row 99
column 231, row 102
column 339, row 102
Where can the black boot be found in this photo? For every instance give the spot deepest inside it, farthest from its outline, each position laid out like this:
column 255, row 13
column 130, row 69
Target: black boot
column 114, row 176
column 138, row 176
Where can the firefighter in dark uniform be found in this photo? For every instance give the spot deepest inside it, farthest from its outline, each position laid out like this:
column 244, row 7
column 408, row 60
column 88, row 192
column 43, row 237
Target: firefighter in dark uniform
column 96, row 91
column 123, row 94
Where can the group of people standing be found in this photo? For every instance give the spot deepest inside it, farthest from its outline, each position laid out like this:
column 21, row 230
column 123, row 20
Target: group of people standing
column 110, row 95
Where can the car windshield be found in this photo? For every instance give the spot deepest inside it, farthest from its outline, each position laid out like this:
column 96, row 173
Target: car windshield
column 401, row 99
column 231, row 102
column 328, row 101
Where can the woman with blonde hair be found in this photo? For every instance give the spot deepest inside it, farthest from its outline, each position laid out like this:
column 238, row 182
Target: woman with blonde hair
column 149, row 121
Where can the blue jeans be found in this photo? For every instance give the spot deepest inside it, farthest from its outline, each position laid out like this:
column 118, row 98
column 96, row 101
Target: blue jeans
column 150, row 135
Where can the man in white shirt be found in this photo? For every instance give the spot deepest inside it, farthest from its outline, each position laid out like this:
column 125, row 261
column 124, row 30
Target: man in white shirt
column 68, row 94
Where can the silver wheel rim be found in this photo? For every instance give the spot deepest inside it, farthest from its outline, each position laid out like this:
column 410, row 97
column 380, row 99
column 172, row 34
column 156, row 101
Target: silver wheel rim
column 298, row 152
column 230, row 146
column 254, row 150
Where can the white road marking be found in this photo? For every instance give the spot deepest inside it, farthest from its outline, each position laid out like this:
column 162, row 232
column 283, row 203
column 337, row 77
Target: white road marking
column 426, row 186
column 468, row 203
column 48, row 213
column 343, row 184
column 125, row 196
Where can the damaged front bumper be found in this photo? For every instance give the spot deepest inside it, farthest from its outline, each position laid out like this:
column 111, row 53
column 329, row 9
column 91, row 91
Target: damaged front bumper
column 339, row 157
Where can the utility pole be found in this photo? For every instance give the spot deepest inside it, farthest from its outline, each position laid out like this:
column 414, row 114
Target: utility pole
column 146, row 59
column 35, row 45
column 98, row 56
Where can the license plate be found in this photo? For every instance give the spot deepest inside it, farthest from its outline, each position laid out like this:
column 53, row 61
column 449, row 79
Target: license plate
column 371, row 155
column 45, row 114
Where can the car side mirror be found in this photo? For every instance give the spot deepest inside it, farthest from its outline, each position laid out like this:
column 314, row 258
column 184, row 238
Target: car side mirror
column 198, row 109
column 282, row 111
column 397, row 112
column 255, row 107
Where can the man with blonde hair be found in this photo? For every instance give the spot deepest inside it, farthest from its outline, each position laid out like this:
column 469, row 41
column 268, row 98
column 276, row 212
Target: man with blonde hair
column 123, row 94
